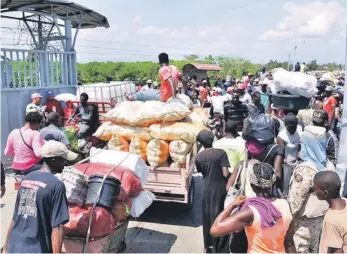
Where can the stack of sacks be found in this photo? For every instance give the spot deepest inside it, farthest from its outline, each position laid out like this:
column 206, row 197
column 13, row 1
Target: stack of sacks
column 147, row 128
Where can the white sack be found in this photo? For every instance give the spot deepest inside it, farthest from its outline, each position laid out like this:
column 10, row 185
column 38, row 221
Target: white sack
column 141, row 203
column 295, row 83
column 133, row 162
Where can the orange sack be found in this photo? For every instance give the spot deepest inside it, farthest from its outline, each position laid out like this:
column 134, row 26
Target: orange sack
column 103, row 222
column 108, row 129
column 118, row 144
column 139, row 147
column 176, row 131
column 157, row 152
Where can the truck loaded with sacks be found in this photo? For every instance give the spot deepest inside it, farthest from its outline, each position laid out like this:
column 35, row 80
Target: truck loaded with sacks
column 164, row 136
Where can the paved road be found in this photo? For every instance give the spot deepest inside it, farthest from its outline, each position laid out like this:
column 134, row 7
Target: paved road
column 163, row 228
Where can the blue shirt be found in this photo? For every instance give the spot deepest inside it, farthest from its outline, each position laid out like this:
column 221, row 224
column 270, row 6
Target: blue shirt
column 41, row 205
column 52, row 132
column 264, row 98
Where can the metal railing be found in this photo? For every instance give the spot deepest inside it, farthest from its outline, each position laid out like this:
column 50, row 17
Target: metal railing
column 22, row 68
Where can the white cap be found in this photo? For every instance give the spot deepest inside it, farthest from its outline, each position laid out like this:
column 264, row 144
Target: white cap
column 36, row 95
column 219, row 90
column 155, row 84
column 54, row 148
column 204, row 82
column 149, row 81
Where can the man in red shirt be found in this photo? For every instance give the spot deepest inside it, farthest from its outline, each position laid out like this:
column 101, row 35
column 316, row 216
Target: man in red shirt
column 169, row 77
column 53, row 105
column 329, row 103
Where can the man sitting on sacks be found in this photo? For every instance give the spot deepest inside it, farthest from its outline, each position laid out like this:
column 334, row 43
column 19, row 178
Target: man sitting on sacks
column 169, row 76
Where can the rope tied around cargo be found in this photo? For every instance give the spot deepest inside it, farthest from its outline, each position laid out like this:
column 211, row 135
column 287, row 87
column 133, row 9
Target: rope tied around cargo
column 96, row 200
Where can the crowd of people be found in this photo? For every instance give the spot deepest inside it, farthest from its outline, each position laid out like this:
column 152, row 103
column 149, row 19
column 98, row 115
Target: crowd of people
column 285, row 191
column 279, row 179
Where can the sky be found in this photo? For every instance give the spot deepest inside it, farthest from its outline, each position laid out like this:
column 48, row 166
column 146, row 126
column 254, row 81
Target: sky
column 257, row 30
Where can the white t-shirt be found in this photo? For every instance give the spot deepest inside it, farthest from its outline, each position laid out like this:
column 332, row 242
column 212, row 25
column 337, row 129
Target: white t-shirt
column 218, row 103
column 291, row 147
column 246, row 98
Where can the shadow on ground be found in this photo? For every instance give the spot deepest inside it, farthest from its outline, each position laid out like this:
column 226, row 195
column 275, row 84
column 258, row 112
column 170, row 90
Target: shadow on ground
column 148, row 241
column 175, row 213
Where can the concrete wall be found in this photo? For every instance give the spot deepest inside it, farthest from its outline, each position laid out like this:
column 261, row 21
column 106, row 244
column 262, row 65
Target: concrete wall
column 13, row 104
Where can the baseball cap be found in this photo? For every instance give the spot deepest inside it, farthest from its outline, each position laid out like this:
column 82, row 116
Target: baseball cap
column 320, row 116
column 155, row 84
column 329, row 88
column 54, row 148
column 50, row 93
column 149, row 81
column 36, row 95
column 204, row 82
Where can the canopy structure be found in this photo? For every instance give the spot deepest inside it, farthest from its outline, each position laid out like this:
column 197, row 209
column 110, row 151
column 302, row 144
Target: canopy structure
column 80, row 16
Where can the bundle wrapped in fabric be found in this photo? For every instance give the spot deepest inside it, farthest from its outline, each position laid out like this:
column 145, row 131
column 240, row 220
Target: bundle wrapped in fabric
column 109, row 129
column 141, row 203
column 176, row 131
column 139, row 147
column 131, row 162
column 130, row 184
column 178, row 150
column 157, row 152
column 147, row 113
column 198, row 116
column 103, row 222
column 117, row 143
column 295, row 83
column 121, row 210
column 76, row 185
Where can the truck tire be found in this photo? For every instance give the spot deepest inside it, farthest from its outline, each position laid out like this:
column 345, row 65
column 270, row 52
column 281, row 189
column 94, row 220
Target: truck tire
column 191, row 195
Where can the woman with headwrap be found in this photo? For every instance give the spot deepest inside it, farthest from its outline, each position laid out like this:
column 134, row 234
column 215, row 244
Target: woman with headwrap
column 213, row 165
column 307, row 210
column 264, row 218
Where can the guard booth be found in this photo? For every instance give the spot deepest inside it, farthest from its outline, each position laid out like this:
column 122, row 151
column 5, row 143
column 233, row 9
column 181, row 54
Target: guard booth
column 40, row 67
column 200, row 70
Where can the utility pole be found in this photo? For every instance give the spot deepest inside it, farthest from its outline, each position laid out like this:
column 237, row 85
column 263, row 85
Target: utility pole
column 341, row 167
column 288, row 61
column 295, row 47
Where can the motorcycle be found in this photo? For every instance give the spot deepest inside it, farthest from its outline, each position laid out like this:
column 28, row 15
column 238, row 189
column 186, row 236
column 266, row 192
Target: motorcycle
column 216, row 125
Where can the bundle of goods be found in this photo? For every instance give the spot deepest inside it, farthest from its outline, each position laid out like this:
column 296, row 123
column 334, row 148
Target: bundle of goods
column 147, row 129
column 292, row 90
column 295, row 83
column 147, row 113
column 110, row 193
column 76, row 185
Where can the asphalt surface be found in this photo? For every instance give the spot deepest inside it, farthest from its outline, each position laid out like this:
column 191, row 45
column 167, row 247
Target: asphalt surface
column 162, row 228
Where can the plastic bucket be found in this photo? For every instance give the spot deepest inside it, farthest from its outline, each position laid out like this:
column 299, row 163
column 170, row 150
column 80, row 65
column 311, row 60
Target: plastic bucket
column 288, row 101
column 109, row 191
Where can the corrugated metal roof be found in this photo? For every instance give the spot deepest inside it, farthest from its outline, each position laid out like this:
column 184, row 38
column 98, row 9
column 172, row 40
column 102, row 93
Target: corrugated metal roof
column 65, row 10
column 207, row 67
